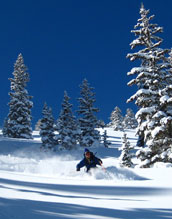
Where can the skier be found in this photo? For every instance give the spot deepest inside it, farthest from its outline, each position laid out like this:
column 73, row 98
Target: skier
column 90, row 161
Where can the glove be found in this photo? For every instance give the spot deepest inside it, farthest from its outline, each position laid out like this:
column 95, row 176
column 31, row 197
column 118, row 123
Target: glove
column 77, row 169
column 100, row 162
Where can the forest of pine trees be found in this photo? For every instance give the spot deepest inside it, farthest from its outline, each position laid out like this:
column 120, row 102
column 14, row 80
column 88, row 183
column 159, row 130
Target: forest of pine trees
column 153, row 121
column 67, row 131
column 119, row 122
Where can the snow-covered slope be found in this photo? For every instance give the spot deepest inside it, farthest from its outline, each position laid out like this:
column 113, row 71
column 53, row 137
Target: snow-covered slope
column 36, row 184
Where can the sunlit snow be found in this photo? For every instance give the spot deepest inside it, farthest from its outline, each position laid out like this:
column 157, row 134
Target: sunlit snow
column 35, row 184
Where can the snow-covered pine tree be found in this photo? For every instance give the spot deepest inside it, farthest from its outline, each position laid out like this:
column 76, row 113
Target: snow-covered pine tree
column 47, row 129
column 106, row 143
column 67, row 125
column 116, row 119
column 162, row 133
column 129, row 121
column 126, row 155
column 88, row 121
column 19, row 118
column 151, row 77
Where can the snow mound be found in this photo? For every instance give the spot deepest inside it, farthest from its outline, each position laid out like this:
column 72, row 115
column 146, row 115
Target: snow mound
column 123, row 173
column 115, row 174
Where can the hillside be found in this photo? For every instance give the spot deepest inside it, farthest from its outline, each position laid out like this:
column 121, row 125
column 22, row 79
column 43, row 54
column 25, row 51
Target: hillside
column 35, row 184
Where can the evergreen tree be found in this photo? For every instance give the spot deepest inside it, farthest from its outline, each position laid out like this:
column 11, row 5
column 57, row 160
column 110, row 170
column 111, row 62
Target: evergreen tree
column 129, row 120
column 126, row 156
column 47, row 129
column 116, row 119
column 161, row 141
column 88, row 121
column 151, row 78
column 67, row 126
column 18, row 124
column 106, row 143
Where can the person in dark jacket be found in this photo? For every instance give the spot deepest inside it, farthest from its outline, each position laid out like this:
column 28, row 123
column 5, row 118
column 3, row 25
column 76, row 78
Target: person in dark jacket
column 89, row 161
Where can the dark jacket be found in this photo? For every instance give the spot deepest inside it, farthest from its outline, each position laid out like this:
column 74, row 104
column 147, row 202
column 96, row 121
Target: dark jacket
column 91, row 163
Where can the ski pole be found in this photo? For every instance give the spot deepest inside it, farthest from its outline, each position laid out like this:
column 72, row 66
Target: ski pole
column 103, row 167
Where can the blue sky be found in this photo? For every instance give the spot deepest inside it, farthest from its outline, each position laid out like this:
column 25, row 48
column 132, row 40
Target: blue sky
column 65, row 41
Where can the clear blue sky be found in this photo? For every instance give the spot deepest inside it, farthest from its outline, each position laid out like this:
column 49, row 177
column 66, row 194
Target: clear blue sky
column 65, row 41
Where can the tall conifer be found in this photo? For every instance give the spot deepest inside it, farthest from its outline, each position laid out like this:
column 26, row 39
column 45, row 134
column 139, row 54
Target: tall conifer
column 47, row 129
column 67, row 125
column 18, row 124
column 116, row 119
column 88, row 121
column 151, row 77
column 130, row 121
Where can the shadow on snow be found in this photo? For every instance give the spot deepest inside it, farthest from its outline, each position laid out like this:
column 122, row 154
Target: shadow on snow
column 90, row 189
column 23, row 209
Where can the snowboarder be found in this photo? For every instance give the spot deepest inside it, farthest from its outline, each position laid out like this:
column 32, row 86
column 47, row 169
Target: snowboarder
column 89, row 161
